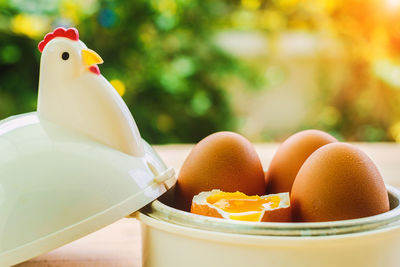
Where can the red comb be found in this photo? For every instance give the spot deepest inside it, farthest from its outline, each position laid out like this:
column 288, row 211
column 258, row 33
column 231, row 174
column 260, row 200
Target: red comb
column 70, row 33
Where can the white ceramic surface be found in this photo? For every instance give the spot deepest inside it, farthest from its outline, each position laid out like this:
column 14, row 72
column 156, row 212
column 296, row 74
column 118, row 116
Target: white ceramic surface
column 76, row 165
column 73, row 96
column 57, row 185
column 171, row 244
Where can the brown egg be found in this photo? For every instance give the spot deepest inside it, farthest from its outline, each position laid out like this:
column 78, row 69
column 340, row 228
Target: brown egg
column 223, row 160
column 338, row 182
column 290, row 156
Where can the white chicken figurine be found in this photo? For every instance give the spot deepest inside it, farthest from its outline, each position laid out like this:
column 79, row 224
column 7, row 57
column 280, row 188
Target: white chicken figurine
column 75, row 165
column 73, row 93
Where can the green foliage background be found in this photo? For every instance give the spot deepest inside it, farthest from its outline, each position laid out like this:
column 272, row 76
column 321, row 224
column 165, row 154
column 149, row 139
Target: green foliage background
column 179, row 83
column 162, row 51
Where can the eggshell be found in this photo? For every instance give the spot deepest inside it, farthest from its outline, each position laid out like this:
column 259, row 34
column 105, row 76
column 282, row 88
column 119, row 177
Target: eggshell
column 338, row 182
column 289, row 157
column 223, row 160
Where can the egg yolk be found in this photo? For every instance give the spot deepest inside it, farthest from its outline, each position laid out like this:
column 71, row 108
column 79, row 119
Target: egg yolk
column 239, row 203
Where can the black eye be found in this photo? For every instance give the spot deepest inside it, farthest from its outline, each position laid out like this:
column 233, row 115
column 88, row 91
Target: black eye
column 65, row 55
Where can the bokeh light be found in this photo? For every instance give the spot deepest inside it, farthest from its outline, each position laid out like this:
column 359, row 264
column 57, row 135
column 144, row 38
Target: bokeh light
column 265, row 69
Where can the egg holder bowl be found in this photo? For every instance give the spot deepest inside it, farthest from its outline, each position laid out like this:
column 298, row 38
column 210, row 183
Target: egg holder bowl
column 369, row 241
column 161, row 211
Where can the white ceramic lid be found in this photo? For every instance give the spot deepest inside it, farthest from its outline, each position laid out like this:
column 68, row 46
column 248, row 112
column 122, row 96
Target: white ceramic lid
column 76, row 165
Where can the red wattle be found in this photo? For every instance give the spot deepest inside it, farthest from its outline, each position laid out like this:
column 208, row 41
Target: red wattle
column 95, row 69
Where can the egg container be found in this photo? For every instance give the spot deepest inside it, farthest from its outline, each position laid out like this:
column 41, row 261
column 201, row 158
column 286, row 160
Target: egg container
column 171, row 237
column 79, row 164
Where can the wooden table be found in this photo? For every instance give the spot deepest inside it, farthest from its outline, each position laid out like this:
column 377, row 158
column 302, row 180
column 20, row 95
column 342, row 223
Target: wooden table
column 119, row 243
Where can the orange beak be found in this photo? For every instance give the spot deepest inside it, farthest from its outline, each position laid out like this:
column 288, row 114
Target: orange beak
column 91, row 59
